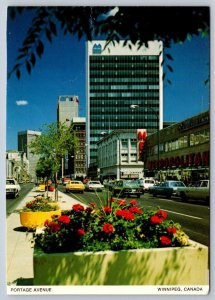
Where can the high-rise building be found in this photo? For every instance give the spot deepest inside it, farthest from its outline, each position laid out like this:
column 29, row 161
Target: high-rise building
column 119, row 77
column 78, row 158
column 24, row 139
column 67, row 108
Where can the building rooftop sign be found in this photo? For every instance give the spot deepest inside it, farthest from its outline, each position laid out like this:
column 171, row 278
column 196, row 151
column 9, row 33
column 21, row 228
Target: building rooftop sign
column 97, row 49
column 194, row 122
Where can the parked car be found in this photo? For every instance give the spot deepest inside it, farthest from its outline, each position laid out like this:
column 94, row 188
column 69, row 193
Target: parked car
column 167, row 188
column 125, row 188
column 145, row 184
column 93, row 185
column 65, row 180
column 198, row 191
column 12, row 188
column 74, row 186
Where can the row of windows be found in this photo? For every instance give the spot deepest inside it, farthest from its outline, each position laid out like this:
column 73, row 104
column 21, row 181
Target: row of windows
column 124, row 67
column 146, row 104
column 130, row 80
column 143, row 86
column 193, row 139
column 123, row 58
column 80, row 170
column 108, row 73
column 129, row 75
column 152, row 97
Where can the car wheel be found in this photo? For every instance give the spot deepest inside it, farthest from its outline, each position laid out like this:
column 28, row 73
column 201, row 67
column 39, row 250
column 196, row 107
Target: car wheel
column 154, row 195
column 138, row 196
column 183, row 196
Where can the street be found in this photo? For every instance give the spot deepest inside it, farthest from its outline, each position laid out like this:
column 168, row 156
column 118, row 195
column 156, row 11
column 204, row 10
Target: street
column 193, row 216
column 11, row 203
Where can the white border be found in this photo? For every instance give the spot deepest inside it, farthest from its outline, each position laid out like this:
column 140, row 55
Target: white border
column 3, row 81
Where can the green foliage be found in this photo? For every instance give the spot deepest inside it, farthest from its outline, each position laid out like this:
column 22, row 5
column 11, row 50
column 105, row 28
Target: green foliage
column 44, row 168
column 119, row 227
column 40, row 204
column 55, row 142
column 140, row 24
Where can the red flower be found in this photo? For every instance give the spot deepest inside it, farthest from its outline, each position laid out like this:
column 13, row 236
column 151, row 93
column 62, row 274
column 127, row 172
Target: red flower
column 124, row 213
column 108, row 228
column 135, row 209
column 78, row 207
column 46, row 223
column 64, row 219
column 134, row 202
column 162, row 214
column 107, row 210
column 165, row 241
column 81, row 231
column 54, row 226
column 171, row 230
column 155, row 219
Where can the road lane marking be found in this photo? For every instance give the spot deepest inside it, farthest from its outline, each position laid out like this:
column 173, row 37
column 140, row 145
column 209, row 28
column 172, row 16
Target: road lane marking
column 174, row 212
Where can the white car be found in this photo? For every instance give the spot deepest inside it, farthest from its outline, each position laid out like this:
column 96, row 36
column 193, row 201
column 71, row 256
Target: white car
column 12, row 187
column 93, row 185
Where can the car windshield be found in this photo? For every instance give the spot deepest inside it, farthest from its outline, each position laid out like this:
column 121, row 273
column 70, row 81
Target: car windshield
column 129, row 183
column 177, row 183
column 95, row 182
column 75, row 182
column 149, row 181
column 10, row 182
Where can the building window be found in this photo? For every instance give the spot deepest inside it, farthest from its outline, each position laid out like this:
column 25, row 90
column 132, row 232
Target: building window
column 199, row 137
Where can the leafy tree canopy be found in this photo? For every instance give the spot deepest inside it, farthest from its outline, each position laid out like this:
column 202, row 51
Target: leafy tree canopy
column 56, row 140
column 136, row 24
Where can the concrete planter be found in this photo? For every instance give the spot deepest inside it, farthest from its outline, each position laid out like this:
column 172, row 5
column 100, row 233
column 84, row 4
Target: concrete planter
column 34, row 219
column 162, row 266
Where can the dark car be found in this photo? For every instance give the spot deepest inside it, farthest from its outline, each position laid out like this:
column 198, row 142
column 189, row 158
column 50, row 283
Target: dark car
column 167, row 188
column 125, row 188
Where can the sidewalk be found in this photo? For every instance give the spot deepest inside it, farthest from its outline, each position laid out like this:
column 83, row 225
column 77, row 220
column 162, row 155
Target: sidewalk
column 19, row 242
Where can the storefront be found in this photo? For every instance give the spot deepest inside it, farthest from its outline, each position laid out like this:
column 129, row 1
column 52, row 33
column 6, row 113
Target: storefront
column 184, row 150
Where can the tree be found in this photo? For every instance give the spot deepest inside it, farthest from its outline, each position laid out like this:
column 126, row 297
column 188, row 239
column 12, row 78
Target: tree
column 56, row 140
column 132, row 24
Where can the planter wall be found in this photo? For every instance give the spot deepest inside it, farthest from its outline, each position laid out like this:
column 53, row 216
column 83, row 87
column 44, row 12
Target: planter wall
column 163, row 266
column 35, row 219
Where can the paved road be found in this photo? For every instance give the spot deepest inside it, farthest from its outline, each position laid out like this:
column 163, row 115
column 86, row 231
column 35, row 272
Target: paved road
column 11, row 203
column 194, row 217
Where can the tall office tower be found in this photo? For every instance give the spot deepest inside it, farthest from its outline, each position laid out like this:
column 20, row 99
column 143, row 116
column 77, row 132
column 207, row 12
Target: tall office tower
column 118, row 77
column 24, row 139
column 67, row 108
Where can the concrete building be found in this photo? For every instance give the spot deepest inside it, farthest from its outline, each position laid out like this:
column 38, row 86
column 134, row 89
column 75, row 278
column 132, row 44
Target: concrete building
column 78, row 158
column 67, row 108
column 24, row 139
column 117, row 78
column 118, row 155
column 184, row 150
column 17, row 166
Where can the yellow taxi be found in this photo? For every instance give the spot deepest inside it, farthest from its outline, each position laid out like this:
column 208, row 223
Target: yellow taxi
column 74, row 186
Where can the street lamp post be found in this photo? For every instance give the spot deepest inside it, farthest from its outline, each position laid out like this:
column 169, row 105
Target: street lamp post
column 135, row 106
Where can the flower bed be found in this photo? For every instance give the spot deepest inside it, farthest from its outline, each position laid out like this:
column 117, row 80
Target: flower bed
column 121, row 244
column 161, row 266
column 37, row 211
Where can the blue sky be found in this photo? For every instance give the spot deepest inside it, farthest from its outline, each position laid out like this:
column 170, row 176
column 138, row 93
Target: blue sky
column 61, row 71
